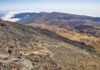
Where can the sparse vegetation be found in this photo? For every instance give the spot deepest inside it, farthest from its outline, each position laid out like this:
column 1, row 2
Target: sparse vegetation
column 44, row 49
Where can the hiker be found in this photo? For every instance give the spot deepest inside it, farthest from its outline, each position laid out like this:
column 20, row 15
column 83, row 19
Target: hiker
column 10, row 51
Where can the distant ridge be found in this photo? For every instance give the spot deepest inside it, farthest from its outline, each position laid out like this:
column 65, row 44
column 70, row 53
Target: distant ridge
column 20, row 16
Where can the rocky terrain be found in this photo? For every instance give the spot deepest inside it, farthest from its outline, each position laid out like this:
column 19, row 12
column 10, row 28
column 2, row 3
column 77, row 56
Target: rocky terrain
column 50, row 41
column 28, row 41
column 45, row 49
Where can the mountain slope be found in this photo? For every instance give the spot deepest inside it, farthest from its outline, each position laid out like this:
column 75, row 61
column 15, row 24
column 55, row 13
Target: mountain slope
column 43, row 50
column 26, row 40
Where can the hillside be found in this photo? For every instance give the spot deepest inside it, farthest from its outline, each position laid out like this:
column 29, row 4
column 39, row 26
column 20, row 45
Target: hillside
column 87, row 37
column 28, row 41
column 43, row 49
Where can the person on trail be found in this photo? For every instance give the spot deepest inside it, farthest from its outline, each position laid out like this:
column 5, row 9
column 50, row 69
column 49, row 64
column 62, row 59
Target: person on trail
column 10, row 51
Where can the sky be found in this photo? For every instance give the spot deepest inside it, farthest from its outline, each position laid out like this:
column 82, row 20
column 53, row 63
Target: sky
column 81, row 7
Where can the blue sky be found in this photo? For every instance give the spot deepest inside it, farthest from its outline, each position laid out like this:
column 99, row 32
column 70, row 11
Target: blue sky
column 84, row 7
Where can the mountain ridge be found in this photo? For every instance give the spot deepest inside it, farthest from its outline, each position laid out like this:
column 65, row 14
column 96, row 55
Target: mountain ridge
column 28, row 13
